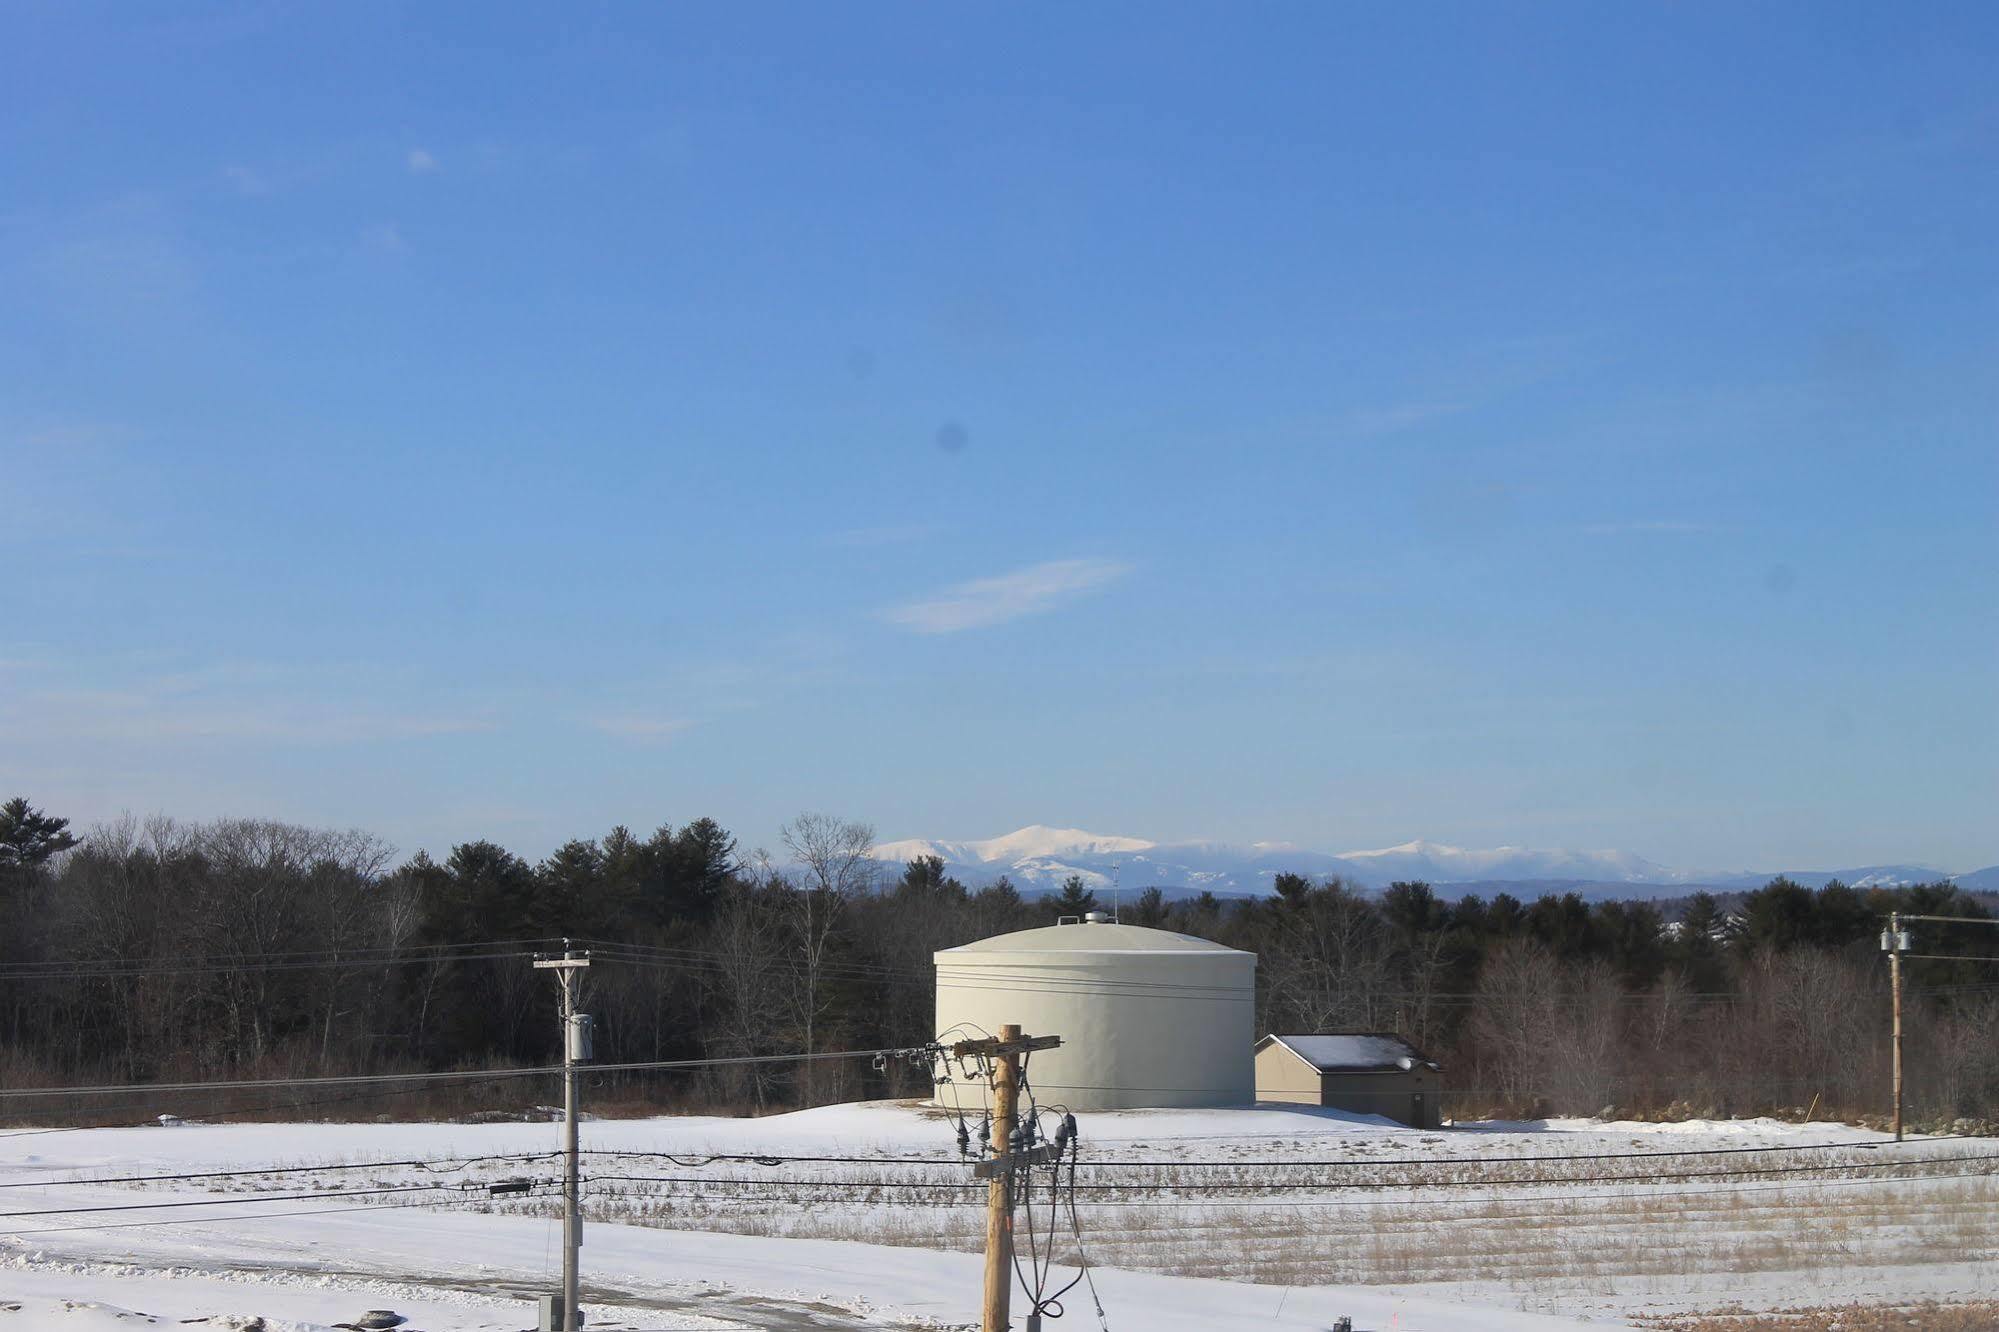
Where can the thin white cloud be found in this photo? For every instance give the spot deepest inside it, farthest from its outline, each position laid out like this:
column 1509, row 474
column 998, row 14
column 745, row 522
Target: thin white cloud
column 246, row 180
column 230, row 701
column 124, row 265
column 1655, row 526
column 420, row 162
column 640, row 729
column 141, row 717
column 894, row 534
column 1393, row 420
column 274, row 177
column 384, row 238
column 988, row 601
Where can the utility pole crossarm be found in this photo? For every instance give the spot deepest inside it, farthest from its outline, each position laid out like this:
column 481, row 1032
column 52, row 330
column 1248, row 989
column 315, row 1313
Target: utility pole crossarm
column 1033, row 1156
column 997, row 1046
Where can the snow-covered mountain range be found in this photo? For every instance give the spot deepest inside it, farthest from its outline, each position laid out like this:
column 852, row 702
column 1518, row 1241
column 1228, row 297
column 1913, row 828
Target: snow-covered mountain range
column 1039, row 858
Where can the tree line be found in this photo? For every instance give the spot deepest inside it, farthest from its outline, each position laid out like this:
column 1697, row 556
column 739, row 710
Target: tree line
column 157, row 950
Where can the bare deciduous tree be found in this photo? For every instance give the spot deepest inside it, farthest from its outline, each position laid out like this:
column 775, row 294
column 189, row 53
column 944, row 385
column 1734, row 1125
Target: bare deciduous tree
column 1516, row 1017
column 833, row 857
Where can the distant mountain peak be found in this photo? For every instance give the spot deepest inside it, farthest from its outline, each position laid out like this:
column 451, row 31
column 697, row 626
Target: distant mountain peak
column 1035, row 841
column 1438, row 862
column 1038, row 839
column 1040, row 856
column 1419, row 847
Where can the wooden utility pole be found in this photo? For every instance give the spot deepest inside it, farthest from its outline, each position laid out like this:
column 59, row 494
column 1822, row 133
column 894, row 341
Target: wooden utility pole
column 1896, row 942
column 576, row 1045
column 997, row 1170
column 999, row 1189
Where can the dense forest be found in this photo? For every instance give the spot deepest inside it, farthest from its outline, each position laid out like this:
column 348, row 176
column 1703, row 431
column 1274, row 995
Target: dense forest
column 160, row 951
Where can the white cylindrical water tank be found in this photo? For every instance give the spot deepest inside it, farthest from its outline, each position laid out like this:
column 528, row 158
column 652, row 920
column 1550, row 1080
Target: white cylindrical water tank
column 1147, row 1017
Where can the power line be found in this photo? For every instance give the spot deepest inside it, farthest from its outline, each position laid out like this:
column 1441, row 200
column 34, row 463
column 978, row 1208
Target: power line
column 695, row 957
column 1717, row 1190
column 1369, row 1162
column 698, row 1159
column 1537, row 1200
column 235, row 1220
column 455, row 1162
column 767, row 1182
column 695, row 1160
column 247, row 1199
column 1357, row 1162
column 713, row 963
column 643, row 1066
column 280, row 955
column 270, row 961
column 709, row 962
column 1733, row 1087
column 224, row 1116
column 258, row 1084
column 148, row 968
column 331, row 952
column 1952, row 920
column 1306, row 1185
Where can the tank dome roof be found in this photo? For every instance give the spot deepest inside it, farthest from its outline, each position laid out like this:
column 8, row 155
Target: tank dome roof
column 1093, row 937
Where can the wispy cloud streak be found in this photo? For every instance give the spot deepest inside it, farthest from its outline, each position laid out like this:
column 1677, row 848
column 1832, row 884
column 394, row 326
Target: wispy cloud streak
column 988, row 601
column 640, row 730
column 247, row 702
column 1653, row 526
column 1402, row 416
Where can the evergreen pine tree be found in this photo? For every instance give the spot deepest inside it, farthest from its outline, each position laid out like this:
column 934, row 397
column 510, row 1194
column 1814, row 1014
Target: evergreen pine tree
column 1075, row 899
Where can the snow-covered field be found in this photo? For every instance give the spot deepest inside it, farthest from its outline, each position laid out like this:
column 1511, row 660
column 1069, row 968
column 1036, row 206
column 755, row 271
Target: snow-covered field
column 1274, row 1217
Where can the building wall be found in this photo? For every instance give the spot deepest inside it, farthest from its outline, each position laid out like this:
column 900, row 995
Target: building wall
column 1283, row 1076
column 1137, row 1028
column 1391, row 1095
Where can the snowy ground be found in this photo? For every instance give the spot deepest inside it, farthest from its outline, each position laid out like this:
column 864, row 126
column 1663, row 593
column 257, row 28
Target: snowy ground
column 1280, row 1218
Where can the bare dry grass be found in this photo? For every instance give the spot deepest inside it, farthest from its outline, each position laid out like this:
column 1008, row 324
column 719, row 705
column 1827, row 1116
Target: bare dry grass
column 1928, row 1316
column 1580, row 1222
column 1622, row 1226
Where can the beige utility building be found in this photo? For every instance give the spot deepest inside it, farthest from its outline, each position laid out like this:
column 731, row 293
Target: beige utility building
column 1366, row 1072
column 1147, row 1017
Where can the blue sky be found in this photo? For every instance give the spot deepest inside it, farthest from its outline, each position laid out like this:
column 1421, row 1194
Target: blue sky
column 1553, row 425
